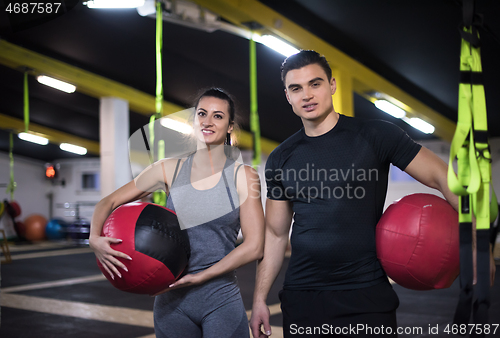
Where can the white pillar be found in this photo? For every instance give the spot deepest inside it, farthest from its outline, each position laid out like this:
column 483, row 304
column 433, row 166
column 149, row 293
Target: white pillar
column 114, row 135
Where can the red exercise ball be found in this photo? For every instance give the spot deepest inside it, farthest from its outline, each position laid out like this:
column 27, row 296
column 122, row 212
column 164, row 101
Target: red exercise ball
column 417, row 242
column 152, row 237
column 34, row 227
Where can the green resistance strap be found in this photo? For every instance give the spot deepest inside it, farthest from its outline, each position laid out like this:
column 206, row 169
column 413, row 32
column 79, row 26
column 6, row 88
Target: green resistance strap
column 159, row 81
column 159, row 196
column 11, row 187
column 254, row 114
column 151, row 127
column 26, row 103
column 159, row 47
column 470, row 146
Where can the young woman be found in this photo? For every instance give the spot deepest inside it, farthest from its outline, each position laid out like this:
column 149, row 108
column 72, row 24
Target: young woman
column 213, row 196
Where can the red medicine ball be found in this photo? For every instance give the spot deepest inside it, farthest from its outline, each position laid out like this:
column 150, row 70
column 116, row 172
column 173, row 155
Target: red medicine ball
column 418, row 244
column 153, row 239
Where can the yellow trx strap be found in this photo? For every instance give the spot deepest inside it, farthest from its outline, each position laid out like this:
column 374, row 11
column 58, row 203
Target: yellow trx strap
column 470, row 146
column 11, row 186
column 159, row 196
column 254, row 113
column 26, row 103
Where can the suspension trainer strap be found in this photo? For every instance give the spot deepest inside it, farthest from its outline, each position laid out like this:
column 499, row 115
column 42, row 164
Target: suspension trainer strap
column 159, row 86
column 482, row 303
column 151, row 144
column 11, row 187
column 26, row 103
column 159, row 47
column 470, row 146
column 254, row 113
column 464, row 307
column 494, row 231
column 159, row 196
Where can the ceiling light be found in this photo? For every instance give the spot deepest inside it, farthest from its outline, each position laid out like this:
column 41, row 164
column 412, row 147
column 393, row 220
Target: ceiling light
column 390, row 108
column 147, row 8
column 176, row 125
column 33, row 138
column 278, row 45
column 73, row 149
column 421, row 125
column 114, row 3
column 57, row 84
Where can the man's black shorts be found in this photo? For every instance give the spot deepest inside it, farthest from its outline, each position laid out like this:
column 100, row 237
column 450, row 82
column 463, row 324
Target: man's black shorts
column 366, row 312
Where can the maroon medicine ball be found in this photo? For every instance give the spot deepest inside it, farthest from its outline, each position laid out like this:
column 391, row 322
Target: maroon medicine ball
column 418, row 243
column 153, row 239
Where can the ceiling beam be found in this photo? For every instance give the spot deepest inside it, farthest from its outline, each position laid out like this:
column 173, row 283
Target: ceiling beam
column 86, row 82
column 364, row 80
column 97, row 86
column 54, row 136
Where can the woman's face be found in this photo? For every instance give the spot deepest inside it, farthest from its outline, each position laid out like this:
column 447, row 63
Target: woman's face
column 212, row 120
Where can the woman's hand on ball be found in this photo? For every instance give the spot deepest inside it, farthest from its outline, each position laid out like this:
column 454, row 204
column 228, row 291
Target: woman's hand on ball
column 187, row 280
column 107, row 256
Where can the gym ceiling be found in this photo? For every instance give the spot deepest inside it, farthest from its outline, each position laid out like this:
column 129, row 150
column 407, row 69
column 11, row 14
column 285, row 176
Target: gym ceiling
column 404, row 51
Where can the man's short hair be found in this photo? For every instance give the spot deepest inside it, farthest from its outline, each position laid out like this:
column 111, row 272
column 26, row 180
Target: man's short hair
column 302, row 59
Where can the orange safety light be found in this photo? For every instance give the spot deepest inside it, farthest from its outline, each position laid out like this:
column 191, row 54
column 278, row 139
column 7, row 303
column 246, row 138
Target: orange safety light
column 50, row 171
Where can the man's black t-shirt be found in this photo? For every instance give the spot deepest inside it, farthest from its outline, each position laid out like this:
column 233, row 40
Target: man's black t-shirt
column 337, row 184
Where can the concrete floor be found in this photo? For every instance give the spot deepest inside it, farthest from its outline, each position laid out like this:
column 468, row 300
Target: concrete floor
column 56, row 290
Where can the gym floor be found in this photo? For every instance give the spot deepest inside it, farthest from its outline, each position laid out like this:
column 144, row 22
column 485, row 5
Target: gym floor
column 54, row 289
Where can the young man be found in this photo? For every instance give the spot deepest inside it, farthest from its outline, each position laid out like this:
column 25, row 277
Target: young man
column 332, row 176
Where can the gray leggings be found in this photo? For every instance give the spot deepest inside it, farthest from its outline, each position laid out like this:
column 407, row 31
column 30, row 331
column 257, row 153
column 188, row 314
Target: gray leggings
column 214, row 309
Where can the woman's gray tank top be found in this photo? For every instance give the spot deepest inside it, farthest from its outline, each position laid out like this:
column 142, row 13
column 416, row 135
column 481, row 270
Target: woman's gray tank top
column 210, row 217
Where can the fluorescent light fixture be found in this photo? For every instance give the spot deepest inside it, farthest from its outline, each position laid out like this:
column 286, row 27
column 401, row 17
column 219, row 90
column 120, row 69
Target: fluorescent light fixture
column 147, row 8
column 114, row 3
column 57, row 84
column 421, row 125
column 73, row 149
column 390, row 108
column 176, row 125
column 33, row 138
column 278, row 45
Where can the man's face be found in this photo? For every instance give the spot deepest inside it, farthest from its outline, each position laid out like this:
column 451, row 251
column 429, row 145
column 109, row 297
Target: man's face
column 309, row 92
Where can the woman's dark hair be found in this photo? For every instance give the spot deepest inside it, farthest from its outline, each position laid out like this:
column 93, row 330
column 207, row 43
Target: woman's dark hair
column 223, row 95
column 302, row 59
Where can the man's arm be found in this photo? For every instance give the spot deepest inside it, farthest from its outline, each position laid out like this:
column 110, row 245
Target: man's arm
column 429, row 169
column 278, row 221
